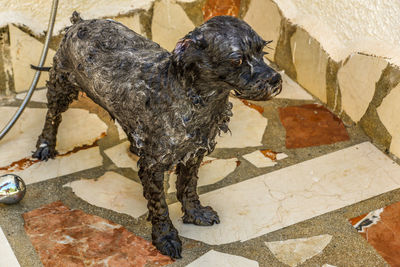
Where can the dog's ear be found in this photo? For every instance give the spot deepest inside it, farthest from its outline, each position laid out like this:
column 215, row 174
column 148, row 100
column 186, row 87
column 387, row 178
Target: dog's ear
column 192, row 40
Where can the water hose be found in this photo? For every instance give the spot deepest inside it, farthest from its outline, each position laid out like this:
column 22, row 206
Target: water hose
column 37, row 74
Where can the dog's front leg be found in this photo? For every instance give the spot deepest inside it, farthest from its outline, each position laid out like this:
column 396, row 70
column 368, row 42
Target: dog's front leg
column 186, row 185
column 164, row 235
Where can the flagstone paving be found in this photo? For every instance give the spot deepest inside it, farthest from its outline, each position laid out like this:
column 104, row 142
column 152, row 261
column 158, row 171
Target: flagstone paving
column 277, row 203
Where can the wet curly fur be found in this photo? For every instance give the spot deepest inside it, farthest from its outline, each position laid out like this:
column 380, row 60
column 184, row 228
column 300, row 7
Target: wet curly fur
column 171, row 105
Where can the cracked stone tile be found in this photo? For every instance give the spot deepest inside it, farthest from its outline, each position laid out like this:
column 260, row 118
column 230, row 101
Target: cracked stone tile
column 296, row 251
column 277, row 199
column 309, row 58
column 311, row 125
column 26, row 50
column 388, row 113
column 264, row 158
column 292, row 90
column 7, row 257
column 112, row 191
column 215, row 258
column 357, row 79
column 122, row 157
column 170, row 23
column 381, row 229
column 33, row 171
column 132, row 22
column 78, row 128
column 211, row 171
column 39, row 95
column 121, row 133
column 260, row 14
column 74, row 238
column 247, row 126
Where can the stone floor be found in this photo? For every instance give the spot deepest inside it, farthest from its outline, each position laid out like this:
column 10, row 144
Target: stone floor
column 293, row 186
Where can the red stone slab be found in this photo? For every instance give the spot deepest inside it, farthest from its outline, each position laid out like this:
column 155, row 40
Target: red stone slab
column 214, row 8
column 311, row 125
column 381, row 229
column 65, row 237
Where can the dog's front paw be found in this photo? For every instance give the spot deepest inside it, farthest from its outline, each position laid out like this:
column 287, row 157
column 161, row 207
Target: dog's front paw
column 199, row 215
column 44, row 152
column 165, row 238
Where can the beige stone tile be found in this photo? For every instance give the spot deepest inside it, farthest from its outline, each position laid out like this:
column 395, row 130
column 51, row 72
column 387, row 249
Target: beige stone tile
column 260, row 161
column 132, row 22
column 210, row 172
column 7, row 257
column 296, row 251
column 39, row 95
column 357, row 79
column 247, row 126
column 121, row 133
column 122, row 157
column 310, row 61
column 112, row 191
column 264, row 17
column 61, row 165
column 275, row 200
column 389, row 112
column 26, row 50
column 170, row 23
column 77, row 128
column 292, row 90
column 328, row 265
column 215, row 258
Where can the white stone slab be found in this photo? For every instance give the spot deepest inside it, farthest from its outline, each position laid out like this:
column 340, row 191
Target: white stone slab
column 210, row 172
column 293, row 194
column 357, row 80
column 78, row 127
column 121, row 133
column 122, row 157
column 61, row 165
column 247, row 126
column 170, row 23
column 292, row 90
column 7, row 257
column 39, row 95
column 388, row 112
column 296, row 251
column 260, row 161
column 112, row 191
column 26, row 50
column 218, row 259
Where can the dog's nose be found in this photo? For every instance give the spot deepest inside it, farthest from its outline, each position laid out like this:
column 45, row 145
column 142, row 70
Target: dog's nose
column 275, row 80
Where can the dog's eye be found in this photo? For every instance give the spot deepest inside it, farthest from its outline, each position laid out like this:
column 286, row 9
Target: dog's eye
column 237, row 62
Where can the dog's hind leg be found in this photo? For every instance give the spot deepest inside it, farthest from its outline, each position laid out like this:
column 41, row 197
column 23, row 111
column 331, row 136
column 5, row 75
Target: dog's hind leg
column 164, row 235
column 186, row 185
column 60, row 94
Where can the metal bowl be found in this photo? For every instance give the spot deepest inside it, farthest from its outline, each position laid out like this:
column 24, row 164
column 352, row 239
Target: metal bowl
column 12, row 189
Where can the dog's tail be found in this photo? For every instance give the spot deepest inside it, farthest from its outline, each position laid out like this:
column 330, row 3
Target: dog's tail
column 75, row 18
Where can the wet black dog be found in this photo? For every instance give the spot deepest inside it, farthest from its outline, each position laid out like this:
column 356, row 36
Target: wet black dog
column 171, row 105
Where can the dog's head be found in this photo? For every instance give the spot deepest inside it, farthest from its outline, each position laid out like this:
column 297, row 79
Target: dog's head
column 226, row 50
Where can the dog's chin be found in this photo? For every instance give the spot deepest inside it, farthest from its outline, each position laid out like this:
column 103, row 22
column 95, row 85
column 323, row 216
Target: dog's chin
column 263, row 95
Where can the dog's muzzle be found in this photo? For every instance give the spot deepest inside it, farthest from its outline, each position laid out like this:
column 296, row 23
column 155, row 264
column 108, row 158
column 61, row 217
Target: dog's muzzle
column 262, row 90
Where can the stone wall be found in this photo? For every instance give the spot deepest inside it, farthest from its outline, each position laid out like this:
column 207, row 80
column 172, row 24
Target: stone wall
column 357, row 78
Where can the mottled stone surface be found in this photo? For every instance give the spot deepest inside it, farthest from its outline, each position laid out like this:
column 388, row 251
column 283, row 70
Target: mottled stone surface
column 311, row 62
column 311, row 125
column 7, row 257
column 357, row 79
column 169, row 24
column 65, row 237
column 214, row 8
column 296, row 251
column 264, row 17
column 26, row 50
column 381, row 229
column 218, row 259
column 6, row 71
